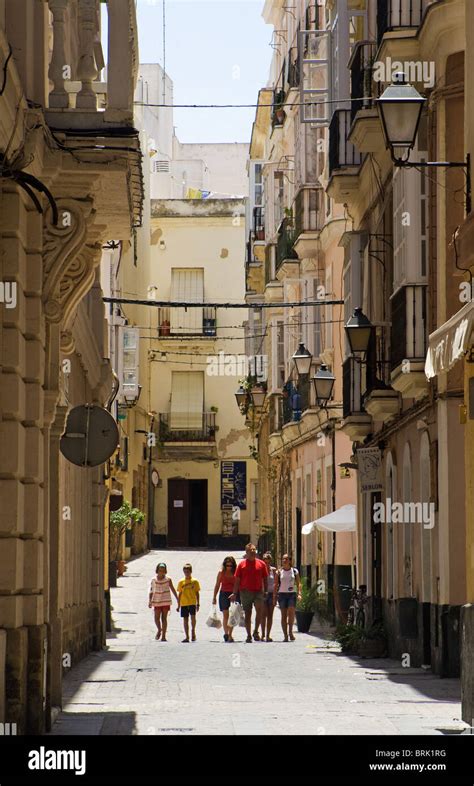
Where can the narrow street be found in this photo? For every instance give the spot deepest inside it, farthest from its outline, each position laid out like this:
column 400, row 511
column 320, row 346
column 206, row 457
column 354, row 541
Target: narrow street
column 141, row 686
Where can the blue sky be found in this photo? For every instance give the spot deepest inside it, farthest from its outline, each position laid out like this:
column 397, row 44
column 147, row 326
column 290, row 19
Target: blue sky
column 217, row 51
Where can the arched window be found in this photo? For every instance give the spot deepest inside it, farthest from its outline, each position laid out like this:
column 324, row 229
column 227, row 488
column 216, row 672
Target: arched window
column 407, row 494
column 391, row 554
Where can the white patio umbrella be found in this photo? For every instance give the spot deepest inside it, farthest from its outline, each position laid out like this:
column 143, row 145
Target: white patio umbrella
column 341, row 520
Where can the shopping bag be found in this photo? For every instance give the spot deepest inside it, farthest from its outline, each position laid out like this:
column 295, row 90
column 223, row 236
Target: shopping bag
column 213, row 620
column 235, row 614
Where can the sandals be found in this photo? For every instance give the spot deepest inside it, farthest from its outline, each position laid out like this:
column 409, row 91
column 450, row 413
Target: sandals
column 256, row 636
column 292, row 638
column 185, row 641
column 269, row 639
column 248, row 640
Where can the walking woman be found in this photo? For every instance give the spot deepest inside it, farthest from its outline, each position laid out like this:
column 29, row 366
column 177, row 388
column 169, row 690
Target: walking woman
column 269, row 600
column 225, row 583
column 159, row 599
column 288, row 590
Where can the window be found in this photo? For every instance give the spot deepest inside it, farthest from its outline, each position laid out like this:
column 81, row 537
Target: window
column 425, row 497
column 187, row 285
column 279, row 198
column 258, row 194
column 187, row 400
column 410, row 223
column 130, row 358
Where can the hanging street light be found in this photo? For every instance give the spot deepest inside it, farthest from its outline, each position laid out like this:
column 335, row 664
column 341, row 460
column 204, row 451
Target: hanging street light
column 323, row 382
column 302, row 359
column 400, row 108
column 257, row 394
column 241, row 397
column 359, row 331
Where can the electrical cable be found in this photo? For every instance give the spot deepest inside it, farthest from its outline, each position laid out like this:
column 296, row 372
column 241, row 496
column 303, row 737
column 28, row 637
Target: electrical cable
column 255, row 106
column 180, row 304
column 5, row 67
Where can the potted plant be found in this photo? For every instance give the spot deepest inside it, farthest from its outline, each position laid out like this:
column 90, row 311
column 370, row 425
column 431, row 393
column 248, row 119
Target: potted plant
column 349, row 637
column 305, row 607
column 279, row 113
column 121, row 521
column 373, row 643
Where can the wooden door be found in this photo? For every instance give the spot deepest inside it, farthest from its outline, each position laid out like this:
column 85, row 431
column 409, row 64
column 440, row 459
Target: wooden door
column 178, row 513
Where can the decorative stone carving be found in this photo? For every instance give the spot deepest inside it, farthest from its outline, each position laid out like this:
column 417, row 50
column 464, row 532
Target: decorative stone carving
column 71, row 253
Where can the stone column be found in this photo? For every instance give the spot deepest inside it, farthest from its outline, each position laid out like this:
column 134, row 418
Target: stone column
column 86, row 68
column 59, row 98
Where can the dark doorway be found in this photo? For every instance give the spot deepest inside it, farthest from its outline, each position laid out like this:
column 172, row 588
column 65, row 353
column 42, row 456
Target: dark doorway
column 376, row 560
column 187, row 513
column 427, row 633
column 198, row 513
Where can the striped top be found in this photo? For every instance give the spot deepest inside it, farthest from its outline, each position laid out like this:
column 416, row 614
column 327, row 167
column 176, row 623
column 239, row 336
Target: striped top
column 160, row 589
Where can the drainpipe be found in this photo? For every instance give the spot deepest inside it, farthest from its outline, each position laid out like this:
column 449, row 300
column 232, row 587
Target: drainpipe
column 151, row 490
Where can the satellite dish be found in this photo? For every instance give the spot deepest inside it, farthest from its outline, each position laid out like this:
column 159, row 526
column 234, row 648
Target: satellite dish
column 91, row 436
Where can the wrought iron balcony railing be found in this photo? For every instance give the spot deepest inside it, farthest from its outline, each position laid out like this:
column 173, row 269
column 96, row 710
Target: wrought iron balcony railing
column 285, row 240
column 342, row 153
column 309, row 210
column 363, row 89
column 396, row 14
column 204, row 325
column 409, row 333
column 187, row 427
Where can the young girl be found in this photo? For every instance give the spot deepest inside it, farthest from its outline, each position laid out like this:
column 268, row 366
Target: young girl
column 161, row 587
column 225, row 582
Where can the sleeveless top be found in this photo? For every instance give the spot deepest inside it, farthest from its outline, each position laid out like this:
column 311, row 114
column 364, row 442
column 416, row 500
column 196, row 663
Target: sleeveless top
column 287, row 579
column 161, row 591
column 227, row 584
column 271, row 579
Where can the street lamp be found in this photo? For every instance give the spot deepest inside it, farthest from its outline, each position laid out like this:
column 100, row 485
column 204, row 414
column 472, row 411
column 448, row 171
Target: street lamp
column 302, row 359
column 241, row 397
column 257, row 395
column 359, row 331
column 400, row 107
column 323, row 382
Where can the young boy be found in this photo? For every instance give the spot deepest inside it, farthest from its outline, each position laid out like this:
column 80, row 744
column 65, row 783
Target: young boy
column 188, row 601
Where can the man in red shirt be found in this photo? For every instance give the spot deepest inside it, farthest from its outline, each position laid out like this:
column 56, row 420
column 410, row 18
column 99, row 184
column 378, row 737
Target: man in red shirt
column 251, row 579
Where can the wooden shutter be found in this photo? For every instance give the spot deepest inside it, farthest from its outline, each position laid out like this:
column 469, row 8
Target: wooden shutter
column 187, row 285
column 187, row 400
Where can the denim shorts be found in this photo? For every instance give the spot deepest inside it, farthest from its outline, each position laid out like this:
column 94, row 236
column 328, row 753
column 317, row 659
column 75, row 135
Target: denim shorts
column 268, row 600
column 287, row 600
column 224, row 600
column 188, row 610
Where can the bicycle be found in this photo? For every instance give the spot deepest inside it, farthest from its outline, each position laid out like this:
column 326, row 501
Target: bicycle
column 356, row 613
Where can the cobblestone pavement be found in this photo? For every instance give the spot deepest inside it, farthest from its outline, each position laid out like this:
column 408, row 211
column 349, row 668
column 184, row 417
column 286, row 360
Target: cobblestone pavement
column 141, row 686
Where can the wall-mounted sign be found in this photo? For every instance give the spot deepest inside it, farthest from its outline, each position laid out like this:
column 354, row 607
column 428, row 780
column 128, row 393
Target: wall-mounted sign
column 178, row 503
column 370, row 469
column 234, row 484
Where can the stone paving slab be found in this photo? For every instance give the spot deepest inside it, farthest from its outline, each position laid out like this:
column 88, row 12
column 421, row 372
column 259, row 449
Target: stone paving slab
column 138, row 685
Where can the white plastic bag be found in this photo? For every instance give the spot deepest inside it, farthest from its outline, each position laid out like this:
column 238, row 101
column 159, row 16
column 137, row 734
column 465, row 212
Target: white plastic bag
column 235, row 614
column 213, row 620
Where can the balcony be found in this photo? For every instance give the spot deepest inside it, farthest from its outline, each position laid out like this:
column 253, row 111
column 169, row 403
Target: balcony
column 202, row 323
column 344, row 159
column 278, row 112
column 409, row 341
column 366, row 132
column 284, row 247
column 204, row 432
column 395, row 15
column 357, row 423
column 294, row 75
column 258, row 223
column 309, row 218
column 380, row 400
column 78, row 99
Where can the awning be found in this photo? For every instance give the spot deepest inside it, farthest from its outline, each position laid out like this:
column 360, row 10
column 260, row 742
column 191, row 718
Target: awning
column 341, row 520
column 450, row 342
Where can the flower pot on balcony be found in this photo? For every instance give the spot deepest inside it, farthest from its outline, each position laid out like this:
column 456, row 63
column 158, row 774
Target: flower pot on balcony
column 260, row 234
column 165, row 328
column 280, row 115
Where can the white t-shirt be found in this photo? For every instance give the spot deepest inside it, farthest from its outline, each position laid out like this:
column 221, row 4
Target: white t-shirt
column 287, row 580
